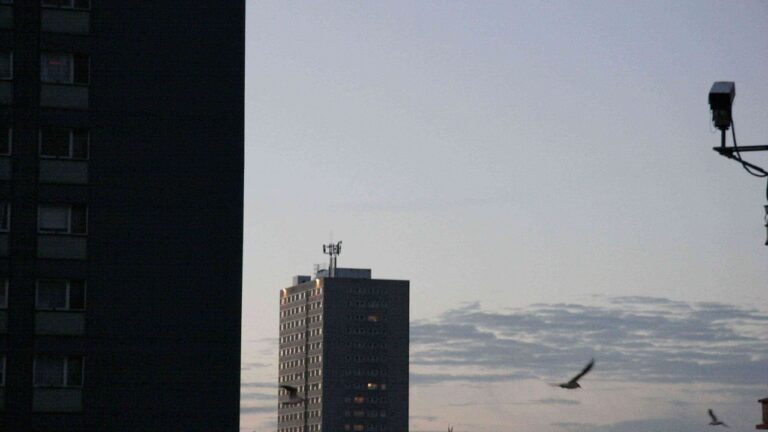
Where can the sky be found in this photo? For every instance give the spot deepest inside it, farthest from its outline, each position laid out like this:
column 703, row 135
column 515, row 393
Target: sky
column 542, row 173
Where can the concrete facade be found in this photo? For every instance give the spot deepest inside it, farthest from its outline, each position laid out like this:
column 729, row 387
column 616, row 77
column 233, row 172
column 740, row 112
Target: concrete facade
column 125, row 183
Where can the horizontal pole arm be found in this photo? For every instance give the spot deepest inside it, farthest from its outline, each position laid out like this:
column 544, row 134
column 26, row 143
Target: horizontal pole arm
column 740, row 149
column 730, row 155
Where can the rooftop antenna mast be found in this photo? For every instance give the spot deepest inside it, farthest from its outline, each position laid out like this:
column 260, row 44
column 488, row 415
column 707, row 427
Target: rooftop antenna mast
column 333, row 250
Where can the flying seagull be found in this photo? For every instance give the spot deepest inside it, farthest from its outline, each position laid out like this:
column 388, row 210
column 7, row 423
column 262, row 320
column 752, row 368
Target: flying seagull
column 293, row 396
column 715, row 421
column 574, row 382
column 450, row 428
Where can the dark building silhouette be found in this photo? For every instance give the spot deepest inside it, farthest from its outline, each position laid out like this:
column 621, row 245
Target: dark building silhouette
column 344, row 346
column 121, row 198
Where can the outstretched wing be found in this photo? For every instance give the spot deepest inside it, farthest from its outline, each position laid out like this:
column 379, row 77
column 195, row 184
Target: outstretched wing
column 712, row 415
column 290, row 389
column 583, row 372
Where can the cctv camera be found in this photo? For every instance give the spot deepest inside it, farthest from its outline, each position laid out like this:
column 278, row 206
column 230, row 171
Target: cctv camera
column 721, row 97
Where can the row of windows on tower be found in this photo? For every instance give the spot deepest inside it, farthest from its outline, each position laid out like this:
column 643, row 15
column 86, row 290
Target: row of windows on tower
column 300, row 349
column 360, row 399
column 300, row 389
column 300, row 335
column 299, row 377
column 365, row 331
column 368, row 304
column 62, row 4
column 365, row 372
column 285, row 299
column 365, row 428
column 300, row 362
column 52, row 294
column 52, row 371
column 52, row 218
column 55, row 68
column 301, row 322
column 298, row 416
column 366, row 413
column 52, row 142
column 300, row 309
column 311, row 428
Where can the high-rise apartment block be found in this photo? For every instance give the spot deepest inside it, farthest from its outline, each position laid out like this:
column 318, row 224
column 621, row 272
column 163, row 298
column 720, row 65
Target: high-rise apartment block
column 344, row 347
column 121, row 198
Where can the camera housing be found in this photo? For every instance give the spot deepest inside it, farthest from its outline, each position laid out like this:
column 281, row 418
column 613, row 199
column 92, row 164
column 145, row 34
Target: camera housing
column 721, row 97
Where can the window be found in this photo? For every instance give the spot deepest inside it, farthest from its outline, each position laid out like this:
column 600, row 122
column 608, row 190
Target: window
column 5, row 216
column 6, row 65
column 6, row 139
column 64, row 68
column 61, row 295
column 58, row 371
column 62, row 219
column 67, row 4
column 3, row 293
column 65, row 143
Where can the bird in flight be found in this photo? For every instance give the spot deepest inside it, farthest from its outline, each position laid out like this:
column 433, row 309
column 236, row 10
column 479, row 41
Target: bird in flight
column 574, row 382
column 450, row 428
column 293, row 396
column 715, row 421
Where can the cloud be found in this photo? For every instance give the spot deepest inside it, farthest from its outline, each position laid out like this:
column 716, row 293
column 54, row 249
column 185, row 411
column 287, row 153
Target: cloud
column 253, row 366
column 662, row 424
column 634, row 339
column 554, row 401
column 258, row 409
column 258, row 396
column 258, row 384
column 417, row 378
column 427, row 418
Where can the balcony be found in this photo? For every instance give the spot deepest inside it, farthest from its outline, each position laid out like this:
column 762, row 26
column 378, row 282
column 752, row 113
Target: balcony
column 57, row 400
column 65, row 21
column 62, row 96
column 61, row 171
column 58, row 246
column 60, row 323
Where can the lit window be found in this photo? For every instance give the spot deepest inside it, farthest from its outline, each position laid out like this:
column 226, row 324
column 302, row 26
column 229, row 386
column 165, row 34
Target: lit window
column 67, row 4
column 6, row 140
column 5, row 216
column 358, row 428
column 62, row 219
column 373, row 386
column 64, row 68
column 3, row 293
column 58, row 371
column 60, row 295
column 64, row 143
column 373, row 318
column 6, row 65
column 358, row 399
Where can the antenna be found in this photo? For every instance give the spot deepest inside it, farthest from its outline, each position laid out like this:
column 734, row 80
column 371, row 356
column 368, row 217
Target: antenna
column 333, row 250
